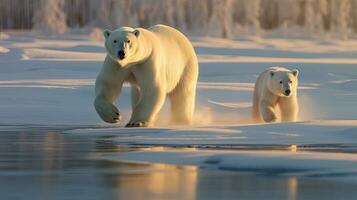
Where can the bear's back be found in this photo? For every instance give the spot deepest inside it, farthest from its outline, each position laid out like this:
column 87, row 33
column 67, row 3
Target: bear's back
column 174, row 39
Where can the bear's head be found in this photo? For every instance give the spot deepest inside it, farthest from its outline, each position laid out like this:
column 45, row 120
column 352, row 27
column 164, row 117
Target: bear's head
column 283, row 83
column 122, row 44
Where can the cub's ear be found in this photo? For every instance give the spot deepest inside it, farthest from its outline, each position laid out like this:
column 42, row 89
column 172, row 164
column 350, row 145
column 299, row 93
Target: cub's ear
column 136, row 32
column 106, row 33
column 295, row 72
column 271, row 73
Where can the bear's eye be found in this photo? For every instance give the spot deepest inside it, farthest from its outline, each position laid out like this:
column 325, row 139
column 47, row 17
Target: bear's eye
column 290, row 82
column 115, row 41
column 281, row 82
column 128, row 41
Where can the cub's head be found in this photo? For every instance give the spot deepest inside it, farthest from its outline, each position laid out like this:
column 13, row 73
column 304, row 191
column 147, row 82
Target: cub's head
column 122, row 44
column 283, row 83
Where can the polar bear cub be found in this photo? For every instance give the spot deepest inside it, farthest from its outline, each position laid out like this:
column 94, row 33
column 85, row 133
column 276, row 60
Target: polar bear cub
column 158, row 62
column 275, row 88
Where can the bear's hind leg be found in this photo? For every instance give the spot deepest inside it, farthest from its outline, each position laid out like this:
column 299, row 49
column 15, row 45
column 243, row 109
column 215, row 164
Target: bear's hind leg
column 183, row 97
column 256, row 116
column 182, row 105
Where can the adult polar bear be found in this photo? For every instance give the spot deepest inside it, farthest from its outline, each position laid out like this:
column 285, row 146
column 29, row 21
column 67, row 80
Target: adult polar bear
column 157, row 62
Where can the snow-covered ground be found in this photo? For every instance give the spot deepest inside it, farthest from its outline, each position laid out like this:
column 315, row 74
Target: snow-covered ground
column 49, row 81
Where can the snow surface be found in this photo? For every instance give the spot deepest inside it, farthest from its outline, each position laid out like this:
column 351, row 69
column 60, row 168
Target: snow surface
column 230, row 136
column 3, row 36
column 283, row 163
column 3, row 50
column 50, row 81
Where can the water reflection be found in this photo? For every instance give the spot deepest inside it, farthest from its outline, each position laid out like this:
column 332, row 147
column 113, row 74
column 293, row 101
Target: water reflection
column 292, row 187
column 52, row 146
column 159, row 181
column 54, row 166
column 293, row 148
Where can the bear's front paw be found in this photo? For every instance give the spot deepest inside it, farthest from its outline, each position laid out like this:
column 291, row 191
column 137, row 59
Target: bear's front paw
column 137, row 124
column 108, row 112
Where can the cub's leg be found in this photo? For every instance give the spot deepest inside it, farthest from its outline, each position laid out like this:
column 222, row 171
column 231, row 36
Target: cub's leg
column 267, row 111
column 289, row 109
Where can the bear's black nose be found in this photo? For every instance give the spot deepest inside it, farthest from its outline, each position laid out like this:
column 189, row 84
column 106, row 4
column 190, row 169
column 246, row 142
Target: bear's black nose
column 287, row 92
column 121, row 54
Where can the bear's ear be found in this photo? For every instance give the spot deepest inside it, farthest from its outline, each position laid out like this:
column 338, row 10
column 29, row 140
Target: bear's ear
column 271, row 73
column 295, row 72
column 106, row 33
column 136, row 32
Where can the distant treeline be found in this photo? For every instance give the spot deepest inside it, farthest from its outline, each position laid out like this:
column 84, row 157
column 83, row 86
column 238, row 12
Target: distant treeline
column 213, row 17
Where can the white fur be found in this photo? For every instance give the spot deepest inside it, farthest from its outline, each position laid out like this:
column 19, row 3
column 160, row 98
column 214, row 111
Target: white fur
column 269, row 92
column 159, row 62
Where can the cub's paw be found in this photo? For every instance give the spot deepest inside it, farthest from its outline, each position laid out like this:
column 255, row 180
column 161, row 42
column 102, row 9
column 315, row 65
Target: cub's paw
column 270, row 118
column 137, row 124
column 108, row 112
